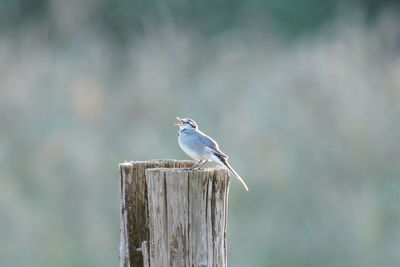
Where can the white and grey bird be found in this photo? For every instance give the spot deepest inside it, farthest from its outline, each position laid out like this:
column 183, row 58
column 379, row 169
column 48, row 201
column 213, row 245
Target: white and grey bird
column 201, row 147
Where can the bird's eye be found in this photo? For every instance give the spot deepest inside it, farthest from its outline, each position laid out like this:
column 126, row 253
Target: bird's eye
column 192, row 123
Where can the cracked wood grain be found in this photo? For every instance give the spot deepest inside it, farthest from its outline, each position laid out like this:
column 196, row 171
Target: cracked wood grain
column 172, row 216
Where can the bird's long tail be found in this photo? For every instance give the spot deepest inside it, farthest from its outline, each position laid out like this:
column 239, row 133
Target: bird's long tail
column 237, row 175
column 224, row 162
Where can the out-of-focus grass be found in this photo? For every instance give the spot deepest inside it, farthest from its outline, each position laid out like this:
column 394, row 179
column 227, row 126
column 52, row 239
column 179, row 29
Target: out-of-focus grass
column 311, row 126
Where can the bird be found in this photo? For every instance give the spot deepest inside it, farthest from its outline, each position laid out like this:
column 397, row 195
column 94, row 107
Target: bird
column 201, row 147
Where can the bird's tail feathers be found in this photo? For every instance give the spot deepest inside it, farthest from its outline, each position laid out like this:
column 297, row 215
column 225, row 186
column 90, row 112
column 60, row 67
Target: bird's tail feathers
column 237, row 176
column 224, row 162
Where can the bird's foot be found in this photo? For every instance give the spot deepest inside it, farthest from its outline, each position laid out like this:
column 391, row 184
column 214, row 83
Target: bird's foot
column 197, row 166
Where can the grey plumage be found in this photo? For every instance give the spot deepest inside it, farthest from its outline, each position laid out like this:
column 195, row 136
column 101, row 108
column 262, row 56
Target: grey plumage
column 195, row 139
column 201, row 147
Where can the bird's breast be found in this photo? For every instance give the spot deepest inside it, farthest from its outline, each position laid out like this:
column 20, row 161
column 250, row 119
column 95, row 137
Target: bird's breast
column 191, row 148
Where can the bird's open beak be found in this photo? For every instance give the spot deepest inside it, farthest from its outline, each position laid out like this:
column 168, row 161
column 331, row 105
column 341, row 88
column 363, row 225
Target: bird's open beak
column 180, row 122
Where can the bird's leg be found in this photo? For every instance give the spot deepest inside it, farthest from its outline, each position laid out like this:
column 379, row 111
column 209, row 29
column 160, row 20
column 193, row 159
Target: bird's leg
column 199, row 168
column 194, row 166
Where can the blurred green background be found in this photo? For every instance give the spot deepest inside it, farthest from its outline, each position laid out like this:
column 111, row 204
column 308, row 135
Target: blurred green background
column 303, row 95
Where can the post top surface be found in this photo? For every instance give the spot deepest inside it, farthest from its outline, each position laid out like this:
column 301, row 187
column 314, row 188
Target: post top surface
column 186, row 170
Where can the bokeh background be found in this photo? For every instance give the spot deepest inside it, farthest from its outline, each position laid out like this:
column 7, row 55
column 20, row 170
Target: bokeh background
column 303, row 95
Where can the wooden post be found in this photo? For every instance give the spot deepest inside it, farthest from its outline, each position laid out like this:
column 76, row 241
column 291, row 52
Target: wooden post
column 171, row 216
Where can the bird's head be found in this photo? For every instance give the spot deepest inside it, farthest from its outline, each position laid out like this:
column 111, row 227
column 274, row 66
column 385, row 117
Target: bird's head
column 186, row 123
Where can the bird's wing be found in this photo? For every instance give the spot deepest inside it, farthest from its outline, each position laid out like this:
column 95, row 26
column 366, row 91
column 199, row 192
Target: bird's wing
column 219, row 152
column 199, row 139
column 211, row 143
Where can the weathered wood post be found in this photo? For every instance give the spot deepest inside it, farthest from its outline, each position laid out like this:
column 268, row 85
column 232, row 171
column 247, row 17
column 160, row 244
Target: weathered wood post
column 171, row 216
